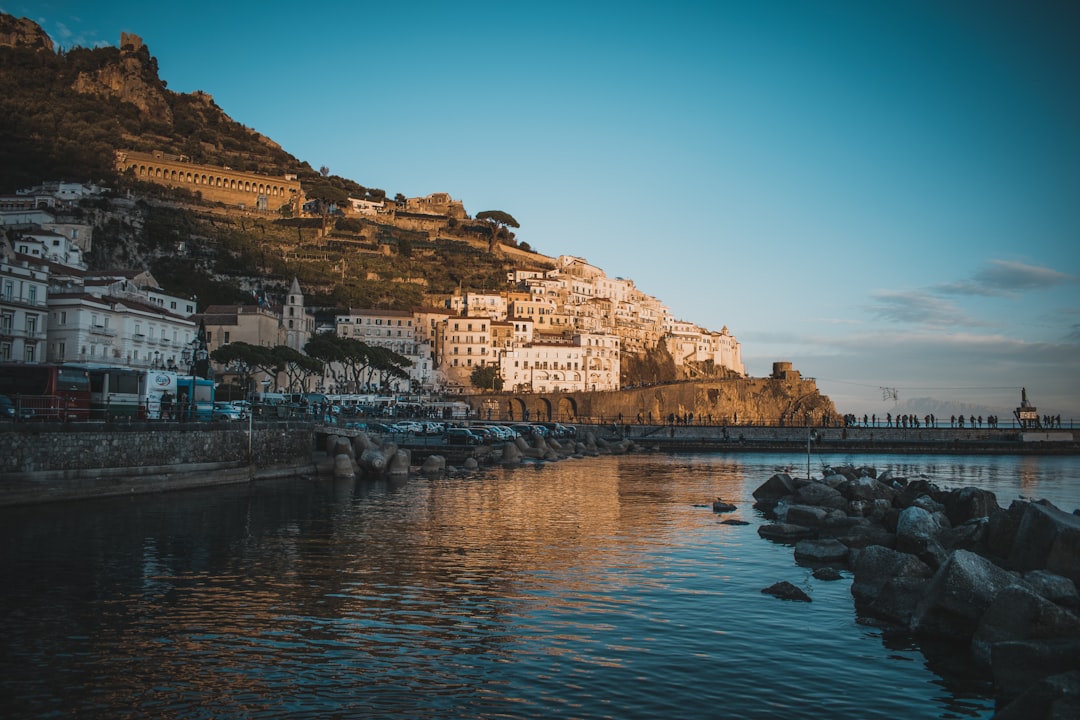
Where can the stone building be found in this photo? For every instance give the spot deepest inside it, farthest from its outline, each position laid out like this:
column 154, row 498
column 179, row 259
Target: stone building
column 214, row 184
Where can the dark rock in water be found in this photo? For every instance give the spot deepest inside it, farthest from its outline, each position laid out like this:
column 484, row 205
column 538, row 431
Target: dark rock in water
column 1017, row 613
column 876, row 565
column 820, row 495
column 827, row 573
column 827, row 550
column 776, row 487
column 864, row 535
column 897, row 600
column 1021, row 664
column 719, row 506
column 1057, row 696
column 969, row 503
column 785, row 532
column 1055, row 588
column 1048, row 539
column 734, row 521
column 786, row 591
column 957, row 596
column 806, row 515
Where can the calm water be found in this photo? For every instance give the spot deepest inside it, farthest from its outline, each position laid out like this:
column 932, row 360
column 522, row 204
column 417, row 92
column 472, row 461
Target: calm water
column 585, row 588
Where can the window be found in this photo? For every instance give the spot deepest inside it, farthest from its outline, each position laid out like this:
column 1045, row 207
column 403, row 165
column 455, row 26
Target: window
column 5, row 351
column 61, row 350
column 32, row 294
column 31, row 325
column 30, row 352
column 226, row 338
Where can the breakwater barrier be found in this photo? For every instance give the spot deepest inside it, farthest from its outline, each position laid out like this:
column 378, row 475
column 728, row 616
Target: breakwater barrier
column 42, row 462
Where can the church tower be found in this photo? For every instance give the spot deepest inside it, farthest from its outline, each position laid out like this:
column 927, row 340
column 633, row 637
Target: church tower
column 294, row 318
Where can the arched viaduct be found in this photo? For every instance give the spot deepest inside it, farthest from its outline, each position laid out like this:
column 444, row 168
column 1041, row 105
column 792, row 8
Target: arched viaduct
column 215, row 184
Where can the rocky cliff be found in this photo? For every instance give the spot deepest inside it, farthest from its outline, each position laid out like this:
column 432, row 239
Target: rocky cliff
column 23, row 33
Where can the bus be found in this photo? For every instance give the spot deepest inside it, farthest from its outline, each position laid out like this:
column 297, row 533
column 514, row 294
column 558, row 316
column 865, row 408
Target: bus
column 131, row 393
column 52, row 392
column 202, row 390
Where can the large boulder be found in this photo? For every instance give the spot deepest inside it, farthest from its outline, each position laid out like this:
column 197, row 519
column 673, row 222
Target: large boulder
column 785, row 532
column 1055, row 588
column 957, row 596
column 805, row 515
column 820, row 495
column 1057, row 696
column 820, row 551
column 772, row 490
column 876, row 565
column 1049, row 539
column 1001, row 529
column 867, row 488
column 969, row 503
column 1017, row 613
column 889, row 584
column 1019, row 664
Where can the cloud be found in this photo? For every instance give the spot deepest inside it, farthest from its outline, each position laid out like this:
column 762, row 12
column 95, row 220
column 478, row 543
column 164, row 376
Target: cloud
column 914, row 306
column 1004, row 277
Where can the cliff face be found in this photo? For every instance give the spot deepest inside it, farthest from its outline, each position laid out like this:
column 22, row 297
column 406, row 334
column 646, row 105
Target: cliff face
column 23, row 33
column 133, row 79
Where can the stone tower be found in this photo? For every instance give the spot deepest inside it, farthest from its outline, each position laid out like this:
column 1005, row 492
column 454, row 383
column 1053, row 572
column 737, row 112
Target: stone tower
column 294, row 318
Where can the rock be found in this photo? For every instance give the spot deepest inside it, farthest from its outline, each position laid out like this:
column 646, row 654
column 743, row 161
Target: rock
column 1057, row 696
column 867, row 488
column 827, row 573
column 1001, row 529
column 778, row 486
column 969, row 503
column 805, row 515
column 785, row 532
column 958, row 594
column 876, row 565
column 734, row 521
column 343, row 467
column 1047, row 539
column 1055, row 588
column 969, row 536
column 1017, row 613
column 399, row 462
column 719, row 506
column 828, row 550
column 914, row 529
column 511, row 454
column 820, row 495
column 1018, row 665
column 866, row 534
column 470, row 464
column 786, row 591
column 897, row 600
column 434, row 464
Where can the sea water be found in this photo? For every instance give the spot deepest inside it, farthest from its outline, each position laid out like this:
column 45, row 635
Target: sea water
column 587, row 588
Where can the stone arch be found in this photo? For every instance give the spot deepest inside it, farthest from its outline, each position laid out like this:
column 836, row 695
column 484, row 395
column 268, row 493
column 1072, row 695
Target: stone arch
column 541, row 411
column 515, row 409
column 567, row 410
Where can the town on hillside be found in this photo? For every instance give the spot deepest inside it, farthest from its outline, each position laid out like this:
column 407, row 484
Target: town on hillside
column 562, row 325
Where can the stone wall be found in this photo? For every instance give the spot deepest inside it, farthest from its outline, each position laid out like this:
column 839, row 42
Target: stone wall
column 52, row 461
column 761, row 401
column 215, row 184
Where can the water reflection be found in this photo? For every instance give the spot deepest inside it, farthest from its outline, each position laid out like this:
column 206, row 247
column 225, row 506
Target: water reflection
column 591, row 587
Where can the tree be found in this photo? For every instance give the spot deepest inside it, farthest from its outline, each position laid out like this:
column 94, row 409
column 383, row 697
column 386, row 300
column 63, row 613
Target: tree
column 486, row 377
column 328, row 196
column 245, row 360
column 297, row 366
column 498, row 222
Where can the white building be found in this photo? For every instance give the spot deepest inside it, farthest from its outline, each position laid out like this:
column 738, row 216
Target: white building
column 588, row 363
column 397, row 330
column 24, row 283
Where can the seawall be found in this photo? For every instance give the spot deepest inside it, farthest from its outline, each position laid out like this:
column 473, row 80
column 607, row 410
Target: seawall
column 42, row 462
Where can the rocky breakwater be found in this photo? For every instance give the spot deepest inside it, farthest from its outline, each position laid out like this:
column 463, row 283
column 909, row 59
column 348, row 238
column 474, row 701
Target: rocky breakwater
column 951, row 565
column 374, row 456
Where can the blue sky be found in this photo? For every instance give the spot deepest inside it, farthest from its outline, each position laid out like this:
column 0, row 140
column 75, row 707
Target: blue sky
column 886, row 194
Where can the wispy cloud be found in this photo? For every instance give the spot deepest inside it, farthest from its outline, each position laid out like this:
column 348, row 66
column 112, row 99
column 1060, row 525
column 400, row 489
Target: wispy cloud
column 916, row 306
column 1005, row 277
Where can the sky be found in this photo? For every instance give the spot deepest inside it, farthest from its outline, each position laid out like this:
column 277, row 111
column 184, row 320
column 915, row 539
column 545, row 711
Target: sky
column 885, row 194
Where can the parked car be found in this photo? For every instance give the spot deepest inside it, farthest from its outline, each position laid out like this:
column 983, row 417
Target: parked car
column 462, row 436
column 227, row 411
column 10, row 412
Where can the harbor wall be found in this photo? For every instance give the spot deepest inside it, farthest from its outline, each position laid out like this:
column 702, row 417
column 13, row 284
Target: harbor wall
column 42, row 462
